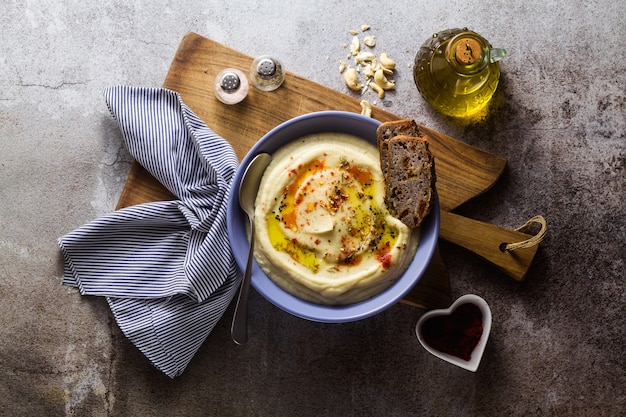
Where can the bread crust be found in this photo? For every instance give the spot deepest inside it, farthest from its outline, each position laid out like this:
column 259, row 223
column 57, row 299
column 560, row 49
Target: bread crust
column 388, row 130
column 408, row 168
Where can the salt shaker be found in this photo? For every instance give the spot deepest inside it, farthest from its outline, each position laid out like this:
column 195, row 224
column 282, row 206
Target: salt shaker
column 231, row 86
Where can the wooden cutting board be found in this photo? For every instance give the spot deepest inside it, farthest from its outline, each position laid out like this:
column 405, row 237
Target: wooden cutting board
column 463, row 171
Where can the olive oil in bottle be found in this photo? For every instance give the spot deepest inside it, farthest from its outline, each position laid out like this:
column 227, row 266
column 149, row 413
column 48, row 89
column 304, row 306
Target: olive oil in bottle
column 457, row 71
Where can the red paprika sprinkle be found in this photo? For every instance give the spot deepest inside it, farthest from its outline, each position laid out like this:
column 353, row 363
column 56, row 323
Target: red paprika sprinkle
column 456, row 334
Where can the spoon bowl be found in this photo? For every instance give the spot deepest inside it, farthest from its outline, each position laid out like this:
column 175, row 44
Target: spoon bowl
column 247, row 195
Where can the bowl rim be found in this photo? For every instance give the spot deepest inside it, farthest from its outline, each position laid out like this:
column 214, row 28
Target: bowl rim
column 236, row 220
column 477, row 353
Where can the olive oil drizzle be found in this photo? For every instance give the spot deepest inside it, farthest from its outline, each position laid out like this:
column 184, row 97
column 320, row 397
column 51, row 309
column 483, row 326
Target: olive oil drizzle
column 368, row 232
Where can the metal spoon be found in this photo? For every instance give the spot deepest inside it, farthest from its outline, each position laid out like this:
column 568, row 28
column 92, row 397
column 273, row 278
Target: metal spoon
column 247, row 195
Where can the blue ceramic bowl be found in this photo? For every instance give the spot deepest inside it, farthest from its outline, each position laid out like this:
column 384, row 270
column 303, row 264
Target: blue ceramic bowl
column 326, row 121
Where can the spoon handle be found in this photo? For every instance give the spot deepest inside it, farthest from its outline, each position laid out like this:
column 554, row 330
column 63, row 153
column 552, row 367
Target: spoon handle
column 239, row 328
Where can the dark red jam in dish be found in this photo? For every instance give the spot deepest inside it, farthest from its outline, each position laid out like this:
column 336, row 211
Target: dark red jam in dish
column 456, row 334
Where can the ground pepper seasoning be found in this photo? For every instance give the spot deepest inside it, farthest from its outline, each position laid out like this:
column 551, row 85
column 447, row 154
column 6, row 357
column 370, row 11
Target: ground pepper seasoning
column 456, row 334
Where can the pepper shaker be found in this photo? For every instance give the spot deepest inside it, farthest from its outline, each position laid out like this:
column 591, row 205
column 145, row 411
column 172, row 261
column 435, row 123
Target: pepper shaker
column 267, row 73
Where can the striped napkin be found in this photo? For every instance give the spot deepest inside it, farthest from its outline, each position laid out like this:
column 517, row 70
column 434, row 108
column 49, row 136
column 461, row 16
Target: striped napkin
column 165, row 268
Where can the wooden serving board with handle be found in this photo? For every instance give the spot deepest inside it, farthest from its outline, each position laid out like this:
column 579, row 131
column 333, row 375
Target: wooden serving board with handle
column 463, row 171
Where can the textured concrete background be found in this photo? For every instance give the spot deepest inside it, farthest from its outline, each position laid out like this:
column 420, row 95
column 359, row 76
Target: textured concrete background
column 557, row 345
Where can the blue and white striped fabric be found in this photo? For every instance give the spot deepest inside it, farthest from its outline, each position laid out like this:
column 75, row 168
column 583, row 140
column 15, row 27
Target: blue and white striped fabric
column 165, row 268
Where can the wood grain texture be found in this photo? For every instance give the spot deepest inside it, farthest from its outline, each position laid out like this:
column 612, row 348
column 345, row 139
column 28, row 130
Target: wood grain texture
column 485, row 239
column 463, row 171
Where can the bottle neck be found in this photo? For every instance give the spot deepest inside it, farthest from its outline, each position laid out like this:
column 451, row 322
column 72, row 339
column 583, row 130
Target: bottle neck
column 467, row 53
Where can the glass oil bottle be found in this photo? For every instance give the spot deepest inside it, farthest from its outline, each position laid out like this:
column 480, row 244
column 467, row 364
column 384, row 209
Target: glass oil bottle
column 457, row 71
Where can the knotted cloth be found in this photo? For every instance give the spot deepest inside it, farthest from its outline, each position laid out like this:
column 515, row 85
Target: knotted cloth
column 166, row 268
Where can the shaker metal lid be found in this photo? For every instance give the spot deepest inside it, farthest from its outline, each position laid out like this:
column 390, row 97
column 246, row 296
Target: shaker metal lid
column 230, row 81
column 266, row 68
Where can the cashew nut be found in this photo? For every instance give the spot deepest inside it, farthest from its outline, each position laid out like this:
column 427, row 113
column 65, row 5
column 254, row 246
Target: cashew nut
column 382, row 81
column 369, row 41
column 364, row 57
column 378, row 89
column 386, row 62
column 366, row 108
column 351, row 79
column 386, row 71
column 355, row 45
column 369, row 71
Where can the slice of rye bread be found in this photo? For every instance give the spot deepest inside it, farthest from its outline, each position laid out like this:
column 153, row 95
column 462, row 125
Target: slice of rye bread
column 410, row 180
column 388, row 130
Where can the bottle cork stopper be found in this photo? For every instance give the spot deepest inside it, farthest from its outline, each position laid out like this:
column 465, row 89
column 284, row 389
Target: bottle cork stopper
column 468, row 51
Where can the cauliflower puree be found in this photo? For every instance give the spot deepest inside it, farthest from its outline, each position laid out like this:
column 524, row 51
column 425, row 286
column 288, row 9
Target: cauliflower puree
column 322, row 230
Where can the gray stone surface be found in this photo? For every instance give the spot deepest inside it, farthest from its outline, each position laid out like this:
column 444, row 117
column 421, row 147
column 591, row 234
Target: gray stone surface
column 557, row 343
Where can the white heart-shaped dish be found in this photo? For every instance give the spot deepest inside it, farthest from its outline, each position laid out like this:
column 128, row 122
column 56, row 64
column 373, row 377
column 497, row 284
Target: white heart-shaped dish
column 424, row 335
